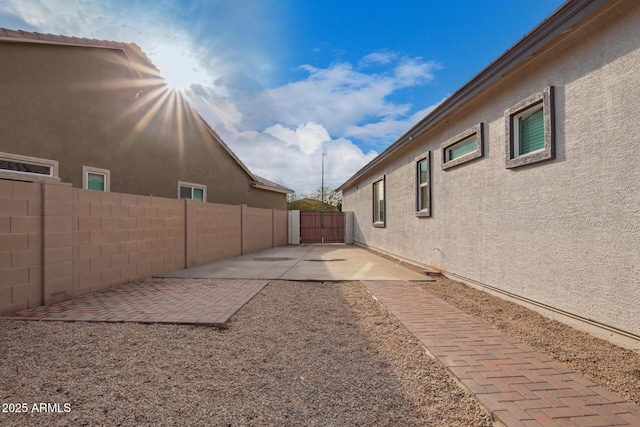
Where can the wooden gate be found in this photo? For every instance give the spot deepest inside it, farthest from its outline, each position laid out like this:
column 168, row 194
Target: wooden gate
column 316, row 225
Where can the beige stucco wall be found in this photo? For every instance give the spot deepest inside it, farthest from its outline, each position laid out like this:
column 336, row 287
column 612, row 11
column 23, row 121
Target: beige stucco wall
column 85, row 106
column 564, row 233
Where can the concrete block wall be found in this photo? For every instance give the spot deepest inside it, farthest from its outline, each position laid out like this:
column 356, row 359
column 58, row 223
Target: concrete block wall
column 280, row 228
column 214, row 233
column 93, row 240
column 257, row 229
column 20, row 246
column 58, row 242
column 119, row 238
column 57, row 213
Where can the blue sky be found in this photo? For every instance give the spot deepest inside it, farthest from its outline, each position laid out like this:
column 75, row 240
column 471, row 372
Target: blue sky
column 282, row 81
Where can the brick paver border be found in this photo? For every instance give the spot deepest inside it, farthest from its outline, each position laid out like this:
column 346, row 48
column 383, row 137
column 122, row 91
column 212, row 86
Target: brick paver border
column 518, row 385
column 183, row 301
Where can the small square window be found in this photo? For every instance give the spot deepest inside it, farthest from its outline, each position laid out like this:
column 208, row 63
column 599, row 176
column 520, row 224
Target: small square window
column 187, row 190
column 463, row 147
column 423, row 185
column 530, row 133
column 96, row 179
column 379, row 204
column 198, row 194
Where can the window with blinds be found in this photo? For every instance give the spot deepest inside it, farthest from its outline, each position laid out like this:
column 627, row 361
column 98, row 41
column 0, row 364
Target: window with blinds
column 378, row 203
column 423, row 185
column 463, row 148
column 530, row 130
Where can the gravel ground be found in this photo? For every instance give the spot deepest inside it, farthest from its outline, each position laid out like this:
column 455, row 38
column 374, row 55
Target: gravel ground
column 299, row 354
column 614, row 368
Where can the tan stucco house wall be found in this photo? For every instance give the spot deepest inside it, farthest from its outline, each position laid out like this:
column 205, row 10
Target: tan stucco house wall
column 102, row 106
column 558, row 230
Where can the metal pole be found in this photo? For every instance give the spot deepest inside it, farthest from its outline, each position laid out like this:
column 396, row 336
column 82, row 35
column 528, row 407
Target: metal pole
column 322, row 206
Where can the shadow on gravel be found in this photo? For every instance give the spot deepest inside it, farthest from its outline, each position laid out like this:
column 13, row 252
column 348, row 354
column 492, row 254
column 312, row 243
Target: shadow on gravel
column 334, row 356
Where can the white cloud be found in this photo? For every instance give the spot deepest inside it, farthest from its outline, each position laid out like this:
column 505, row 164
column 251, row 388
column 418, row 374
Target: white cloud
column 293, row 157
column 385, row 131
column 338, row 97
column 308, row 138
column 415, row 71
column 378, row 58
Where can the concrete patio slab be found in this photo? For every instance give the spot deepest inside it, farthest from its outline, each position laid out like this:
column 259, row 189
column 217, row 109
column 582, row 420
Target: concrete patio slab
column 305, row 262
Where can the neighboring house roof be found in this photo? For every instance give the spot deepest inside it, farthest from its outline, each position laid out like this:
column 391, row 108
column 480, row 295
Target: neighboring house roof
column 555, row 26
column 265, row 184
column 141, row 64
column 143, row 67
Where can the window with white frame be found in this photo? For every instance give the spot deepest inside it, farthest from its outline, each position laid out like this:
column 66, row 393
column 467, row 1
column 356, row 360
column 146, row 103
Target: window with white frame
column 96, row 179
column 379, row 206
column 25, row 168
column 530, row 134
column 423, row 185
column 188, row 190
column 463, row 147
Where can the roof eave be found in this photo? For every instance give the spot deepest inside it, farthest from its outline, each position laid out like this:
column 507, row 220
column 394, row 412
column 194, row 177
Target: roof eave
column 129, row 50
column 274, row 189
column 561, row 21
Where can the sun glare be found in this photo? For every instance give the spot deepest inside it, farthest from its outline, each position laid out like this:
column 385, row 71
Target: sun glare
column 177, row 67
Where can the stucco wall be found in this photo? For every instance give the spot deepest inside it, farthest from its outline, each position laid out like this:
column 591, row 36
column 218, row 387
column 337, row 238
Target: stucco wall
column 565, row 232
column 85, row 106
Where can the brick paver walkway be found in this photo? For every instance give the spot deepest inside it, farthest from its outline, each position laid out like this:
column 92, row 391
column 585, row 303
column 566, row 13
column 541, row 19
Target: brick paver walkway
column 193, row 301
column 517, row 385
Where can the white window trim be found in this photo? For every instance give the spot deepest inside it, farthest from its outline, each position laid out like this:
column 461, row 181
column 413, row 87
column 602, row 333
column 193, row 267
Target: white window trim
column 27, row 176
column 383, row 223
column 192, row 185
column 473, row 132
column 423, row 212
column 86, row 170
column 513, row 159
